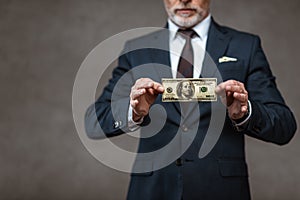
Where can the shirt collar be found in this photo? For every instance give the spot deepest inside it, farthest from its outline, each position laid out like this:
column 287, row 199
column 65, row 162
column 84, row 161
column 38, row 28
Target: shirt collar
column 201, row 29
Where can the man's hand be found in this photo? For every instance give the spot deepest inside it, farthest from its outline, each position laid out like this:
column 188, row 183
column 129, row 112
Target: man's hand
column 235, row 97
column 142, row 96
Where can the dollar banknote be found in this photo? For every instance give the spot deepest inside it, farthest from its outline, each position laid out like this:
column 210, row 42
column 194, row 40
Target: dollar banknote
column 189, row 89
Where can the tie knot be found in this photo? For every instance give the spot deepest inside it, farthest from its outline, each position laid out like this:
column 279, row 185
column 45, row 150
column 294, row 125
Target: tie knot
column 188, row 33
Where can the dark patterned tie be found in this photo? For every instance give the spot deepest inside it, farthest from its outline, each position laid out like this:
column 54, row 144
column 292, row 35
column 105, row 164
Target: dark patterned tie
column 185, row 65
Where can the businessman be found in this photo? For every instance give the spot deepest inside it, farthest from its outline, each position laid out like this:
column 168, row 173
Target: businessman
column 248, row 92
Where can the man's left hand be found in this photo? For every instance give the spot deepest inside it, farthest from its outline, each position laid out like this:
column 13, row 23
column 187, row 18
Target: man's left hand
column 234, row 95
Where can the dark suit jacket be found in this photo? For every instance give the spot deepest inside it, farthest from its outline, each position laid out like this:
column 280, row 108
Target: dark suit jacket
column 222, row 174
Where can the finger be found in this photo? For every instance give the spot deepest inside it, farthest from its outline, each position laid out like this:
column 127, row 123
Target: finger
column 244, row 109
column 238, row 86
column 220, row 90
column 235, row 88
column 152, row 87
column 141, row 83
column 144, row 83
column 227, row 83
column 137, row 93
column 134, row 103
column 222, row 86
column 158, row 87
column 240, row 97
column 151, row 91
column 155, row 87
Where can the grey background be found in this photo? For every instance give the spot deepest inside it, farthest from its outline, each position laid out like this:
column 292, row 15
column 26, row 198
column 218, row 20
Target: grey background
column 42, row 44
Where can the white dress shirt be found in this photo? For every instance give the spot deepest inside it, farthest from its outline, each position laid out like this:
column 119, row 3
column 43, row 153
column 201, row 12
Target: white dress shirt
column 177, row 43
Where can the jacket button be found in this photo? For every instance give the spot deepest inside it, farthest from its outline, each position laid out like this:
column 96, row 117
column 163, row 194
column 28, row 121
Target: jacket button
column 184, row 128
column 117, row 124
column 178, row 162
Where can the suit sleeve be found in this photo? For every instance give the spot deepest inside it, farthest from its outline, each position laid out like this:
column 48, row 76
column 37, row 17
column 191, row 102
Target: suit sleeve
column 107, row 117
column 271, row 119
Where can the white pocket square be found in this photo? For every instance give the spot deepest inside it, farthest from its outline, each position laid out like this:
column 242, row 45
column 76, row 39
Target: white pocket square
column 227, row 59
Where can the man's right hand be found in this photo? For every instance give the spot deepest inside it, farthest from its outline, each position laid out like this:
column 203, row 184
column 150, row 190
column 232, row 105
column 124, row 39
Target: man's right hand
column 142, row 96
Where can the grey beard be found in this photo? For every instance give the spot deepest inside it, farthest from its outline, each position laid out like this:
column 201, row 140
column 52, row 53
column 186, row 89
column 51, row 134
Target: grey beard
column 185, row 23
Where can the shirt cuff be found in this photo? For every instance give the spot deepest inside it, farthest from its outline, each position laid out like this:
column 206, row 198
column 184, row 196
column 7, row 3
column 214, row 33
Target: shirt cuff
column 132, row 125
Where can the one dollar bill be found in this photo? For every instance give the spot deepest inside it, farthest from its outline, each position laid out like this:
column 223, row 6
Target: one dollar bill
column 189, row 89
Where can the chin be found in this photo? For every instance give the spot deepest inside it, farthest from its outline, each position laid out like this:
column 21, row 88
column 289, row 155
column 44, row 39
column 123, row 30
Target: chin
column 186, row 22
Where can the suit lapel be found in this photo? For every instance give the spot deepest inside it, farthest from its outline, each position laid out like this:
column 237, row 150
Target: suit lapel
column 217, row 44
column 160, row 54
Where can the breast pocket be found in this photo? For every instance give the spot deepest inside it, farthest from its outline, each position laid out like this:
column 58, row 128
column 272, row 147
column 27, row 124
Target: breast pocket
column 233, row 70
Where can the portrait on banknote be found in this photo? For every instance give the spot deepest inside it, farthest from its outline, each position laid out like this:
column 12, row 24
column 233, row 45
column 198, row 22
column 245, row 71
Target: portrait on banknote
column 185, row 89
